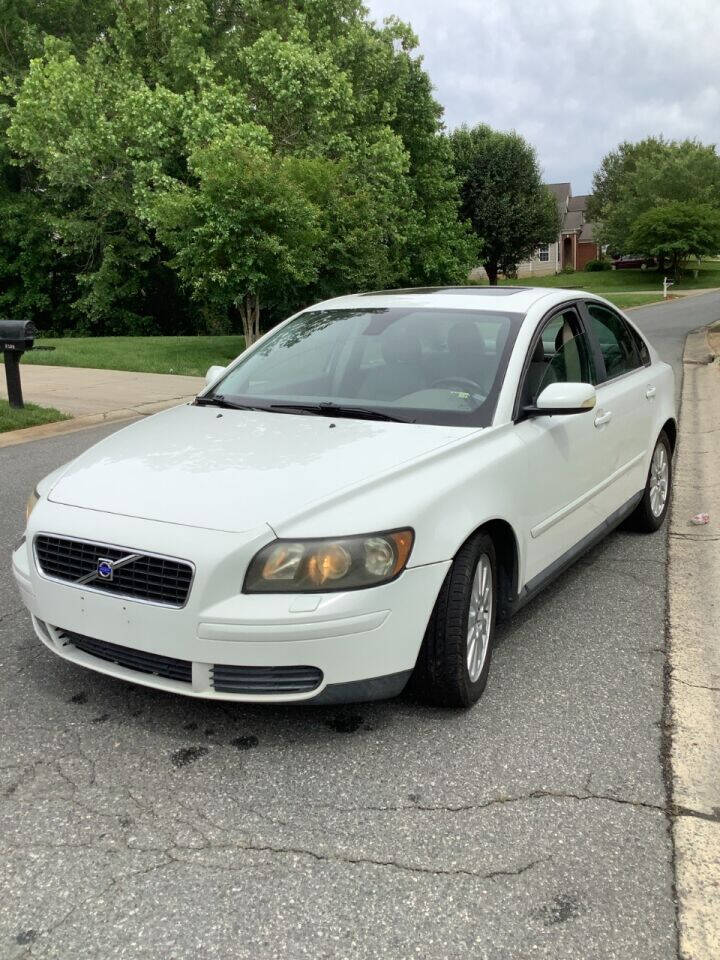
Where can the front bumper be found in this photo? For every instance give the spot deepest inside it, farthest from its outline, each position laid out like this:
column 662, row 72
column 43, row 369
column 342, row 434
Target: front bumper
column 364, row 642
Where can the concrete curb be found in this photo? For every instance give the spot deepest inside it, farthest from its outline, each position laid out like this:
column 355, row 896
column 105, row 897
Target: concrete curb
column 693, row 670
column 14, row 437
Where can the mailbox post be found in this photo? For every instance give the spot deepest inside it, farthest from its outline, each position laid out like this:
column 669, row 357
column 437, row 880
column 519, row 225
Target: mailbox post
column 16, row 336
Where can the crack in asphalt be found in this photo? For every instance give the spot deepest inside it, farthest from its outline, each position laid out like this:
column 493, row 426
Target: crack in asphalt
column 98, row 895
column 370, row 861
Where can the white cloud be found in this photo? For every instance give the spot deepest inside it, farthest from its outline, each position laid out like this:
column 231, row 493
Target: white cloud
column 574, row 78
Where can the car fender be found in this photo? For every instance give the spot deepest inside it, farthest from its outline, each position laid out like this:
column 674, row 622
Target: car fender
column 444, row 498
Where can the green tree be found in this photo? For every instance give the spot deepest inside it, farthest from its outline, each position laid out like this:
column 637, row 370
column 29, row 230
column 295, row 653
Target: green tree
column 123, row 126
column 677, row 230
column 502, row 196
column 637, row 177
column 245, row 232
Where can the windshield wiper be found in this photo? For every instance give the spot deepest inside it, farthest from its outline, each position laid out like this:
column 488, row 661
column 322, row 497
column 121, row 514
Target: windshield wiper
column 327, row 409
column 218, row 400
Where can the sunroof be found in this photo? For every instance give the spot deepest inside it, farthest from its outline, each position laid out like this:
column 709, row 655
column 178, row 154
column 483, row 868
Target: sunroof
column 473, row 291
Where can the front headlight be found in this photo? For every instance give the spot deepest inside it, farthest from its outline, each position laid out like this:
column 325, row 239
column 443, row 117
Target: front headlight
column 31, row 504
column 319, row 566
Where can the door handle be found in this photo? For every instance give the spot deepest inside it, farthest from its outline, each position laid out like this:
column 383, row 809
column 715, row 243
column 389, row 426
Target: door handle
column 603, row 419
column 650, row 392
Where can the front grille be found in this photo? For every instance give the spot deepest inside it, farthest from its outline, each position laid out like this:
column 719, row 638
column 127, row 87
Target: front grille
column 139, row 660
column 267, row 680
column 147, row 577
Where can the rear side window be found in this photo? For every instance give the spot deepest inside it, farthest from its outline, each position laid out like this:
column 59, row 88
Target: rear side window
column 618, row 343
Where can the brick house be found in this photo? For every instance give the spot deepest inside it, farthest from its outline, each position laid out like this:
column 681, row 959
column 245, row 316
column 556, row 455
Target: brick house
column 575, row 244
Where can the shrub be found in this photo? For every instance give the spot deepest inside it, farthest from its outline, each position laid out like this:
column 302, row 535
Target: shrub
column 568, row 270
column 595, row 266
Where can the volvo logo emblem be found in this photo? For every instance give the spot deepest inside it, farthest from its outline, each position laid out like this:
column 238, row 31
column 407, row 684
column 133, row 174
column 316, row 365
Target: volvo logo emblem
column 105, row 568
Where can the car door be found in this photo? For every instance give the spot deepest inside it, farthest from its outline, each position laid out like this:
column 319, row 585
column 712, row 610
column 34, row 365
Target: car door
column 566, row 455
column 625, row 398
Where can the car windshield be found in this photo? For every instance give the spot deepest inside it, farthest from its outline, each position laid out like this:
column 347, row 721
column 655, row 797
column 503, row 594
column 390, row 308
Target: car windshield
column 416, row 365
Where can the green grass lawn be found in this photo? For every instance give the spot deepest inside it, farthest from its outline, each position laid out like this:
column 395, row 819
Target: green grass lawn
column 626, row 300
column 607, row 282
column 186, row 355
column 29, row 416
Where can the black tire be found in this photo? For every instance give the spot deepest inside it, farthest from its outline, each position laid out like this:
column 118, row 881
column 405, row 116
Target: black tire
column 643, row 519
column 442, row 676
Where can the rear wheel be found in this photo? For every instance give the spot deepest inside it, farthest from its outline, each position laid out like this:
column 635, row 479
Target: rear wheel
column 454, row 660
column 652, row 509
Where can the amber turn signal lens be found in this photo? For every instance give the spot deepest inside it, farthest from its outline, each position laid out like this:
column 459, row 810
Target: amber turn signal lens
column 403, row 540
column 31, row 504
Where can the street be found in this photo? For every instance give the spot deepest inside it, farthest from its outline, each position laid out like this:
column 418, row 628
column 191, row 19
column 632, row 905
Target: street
column 143, row 825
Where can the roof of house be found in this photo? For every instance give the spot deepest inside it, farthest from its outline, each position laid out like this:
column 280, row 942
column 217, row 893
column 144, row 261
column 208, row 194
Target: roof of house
column 587, row 232
column 579, row 203
column 561, row 192
column 572, row 221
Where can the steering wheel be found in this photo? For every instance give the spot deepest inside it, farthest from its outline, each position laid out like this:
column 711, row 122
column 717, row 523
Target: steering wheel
column 454, row 381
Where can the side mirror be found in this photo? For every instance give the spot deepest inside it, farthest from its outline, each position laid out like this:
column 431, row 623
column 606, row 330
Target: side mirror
column 213, row 374
column 563, row 398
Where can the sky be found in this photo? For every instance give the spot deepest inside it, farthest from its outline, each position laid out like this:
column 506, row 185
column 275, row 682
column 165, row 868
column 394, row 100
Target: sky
column 574, row 77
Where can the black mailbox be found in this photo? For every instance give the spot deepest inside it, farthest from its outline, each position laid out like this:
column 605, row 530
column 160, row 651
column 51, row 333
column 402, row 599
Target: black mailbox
column 16, row 336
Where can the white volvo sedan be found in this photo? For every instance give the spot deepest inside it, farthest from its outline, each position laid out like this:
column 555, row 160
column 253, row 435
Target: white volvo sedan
column 354, row 500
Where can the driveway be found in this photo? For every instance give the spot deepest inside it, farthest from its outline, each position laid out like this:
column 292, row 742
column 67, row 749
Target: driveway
column 142, row 825
column 85, row 392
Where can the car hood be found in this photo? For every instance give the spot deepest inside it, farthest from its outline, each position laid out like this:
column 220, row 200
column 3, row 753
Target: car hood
column 233, row 470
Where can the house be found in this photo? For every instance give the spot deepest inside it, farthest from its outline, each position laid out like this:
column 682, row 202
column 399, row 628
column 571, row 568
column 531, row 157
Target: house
column 574, row 246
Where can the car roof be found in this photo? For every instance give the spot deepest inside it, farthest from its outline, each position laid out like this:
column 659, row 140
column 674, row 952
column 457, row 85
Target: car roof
column 492, row 299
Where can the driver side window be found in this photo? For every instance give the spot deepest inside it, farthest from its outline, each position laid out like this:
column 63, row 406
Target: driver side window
column 561, row 354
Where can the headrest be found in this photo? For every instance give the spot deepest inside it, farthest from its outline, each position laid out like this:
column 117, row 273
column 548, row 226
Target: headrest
column 400, row 346
column 464, row 338
column 563, row 336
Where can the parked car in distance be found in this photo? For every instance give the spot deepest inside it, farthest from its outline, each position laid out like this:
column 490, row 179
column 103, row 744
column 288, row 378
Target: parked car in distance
column 633, row 261
column 356, row 499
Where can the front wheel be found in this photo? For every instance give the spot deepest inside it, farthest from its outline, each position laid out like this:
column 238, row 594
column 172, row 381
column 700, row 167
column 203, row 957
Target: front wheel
column 650, row 513
column 454, row 659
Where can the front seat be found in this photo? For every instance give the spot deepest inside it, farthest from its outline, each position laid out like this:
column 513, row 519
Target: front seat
column 401, row 373
column 470, row 359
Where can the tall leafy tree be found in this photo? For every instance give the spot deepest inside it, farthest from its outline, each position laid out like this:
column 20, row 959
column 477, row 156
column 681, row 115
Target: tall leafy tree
column 503, row 196
column 677, row 230
column 146, row 128
column 36, row 280
column 245, row 232
column 636, row 178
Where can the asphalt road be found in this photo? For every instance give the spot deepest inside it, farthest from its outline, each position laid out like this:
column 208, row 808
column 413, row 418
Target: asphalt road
column 136, row 824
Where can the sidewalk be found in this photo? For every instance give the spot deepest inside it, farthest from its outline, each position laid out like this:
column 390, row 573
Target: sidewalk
column 82, row 392
column 693, row 676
